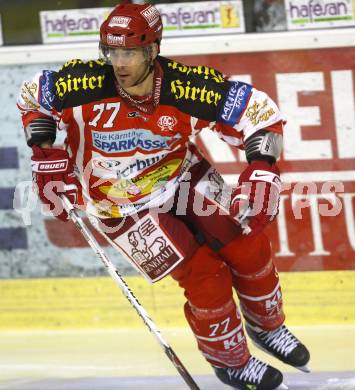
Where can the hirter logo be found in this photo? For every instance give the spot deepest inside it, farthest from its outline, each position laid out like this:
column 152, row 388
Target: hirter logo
column 167, row 123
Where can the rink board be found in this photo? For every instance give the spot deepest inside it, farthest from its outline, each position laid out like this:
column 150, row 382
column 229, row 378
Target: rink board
column 311, row 298
column 49, row 341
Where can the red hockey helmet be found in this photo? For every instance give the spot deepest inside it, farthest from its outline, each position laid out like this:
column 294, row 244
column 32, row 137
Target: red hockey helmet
column 131, row 25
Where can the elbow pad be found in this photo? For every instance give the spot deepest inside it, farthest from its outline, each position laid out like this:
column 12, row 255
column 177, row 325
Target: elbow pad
column 263, row 145
column 40, row 130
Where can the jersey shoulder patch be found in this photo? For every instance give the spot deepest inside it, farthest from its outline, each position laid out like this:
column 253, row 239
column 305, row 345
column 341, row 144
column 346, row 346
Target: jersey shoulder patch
column 45, row 89
column 79, row 82
column 235, row 102
column 195, row 90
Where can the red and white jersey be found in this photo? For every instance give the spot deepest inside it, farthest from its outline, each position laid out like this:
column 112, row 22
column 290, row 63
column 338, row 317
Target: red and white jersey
column 126, row 159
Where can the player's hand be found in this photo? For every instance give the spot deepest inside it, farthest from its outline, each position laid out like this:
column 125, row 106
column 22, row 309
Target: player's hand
column 53, row 174
column 255, row 202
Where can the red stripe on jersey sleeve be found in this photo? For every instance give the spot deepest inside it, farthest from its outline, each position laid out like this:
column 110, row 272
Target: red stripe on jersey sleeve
column 276, row 127
column 30, row 116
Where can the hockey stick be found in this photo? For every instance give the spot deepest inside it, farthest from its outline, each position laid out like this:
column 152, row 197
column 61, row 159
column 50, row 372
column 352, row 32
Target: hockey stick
column 116, row 276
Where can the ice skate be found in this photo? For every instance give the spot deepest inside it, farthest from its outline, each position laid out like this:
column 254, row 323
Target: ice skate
column 282, row 344
column 255, row 375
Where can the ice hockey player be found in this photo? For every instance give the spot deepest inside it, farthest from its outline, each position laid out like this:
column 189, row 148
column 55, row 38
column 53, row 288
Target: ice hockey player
column 130, row 118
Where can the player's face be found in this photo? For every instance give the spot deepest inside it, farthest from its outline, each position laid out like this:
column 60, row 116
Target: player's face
column 129, row 65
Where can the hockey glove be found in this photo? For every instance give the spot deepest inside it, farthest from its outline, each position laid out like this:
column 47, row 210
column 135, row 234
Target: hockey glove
column 53, row 174
column 255, row 202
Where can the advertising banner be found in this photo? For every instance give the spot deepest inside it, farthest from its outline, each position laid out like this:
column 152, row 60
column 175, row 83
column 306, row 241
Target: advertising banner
column 315, row 229
column 181, row 19
column 72, row 25
column 306, row 14
column 202, row 17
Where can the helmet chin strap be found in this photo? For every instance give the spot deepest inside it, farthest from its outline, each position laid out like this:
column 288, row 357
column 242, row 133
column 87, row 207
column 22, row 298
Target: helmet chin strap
column 148, row 53
column 150, row 69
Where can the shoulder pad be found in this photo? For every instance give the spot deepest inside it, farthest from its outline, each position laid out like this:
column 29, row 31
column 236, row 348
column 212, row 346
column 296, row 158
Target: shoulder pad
column 196, row 90
column 80, row 82
column 195, row 72
column 80, row 64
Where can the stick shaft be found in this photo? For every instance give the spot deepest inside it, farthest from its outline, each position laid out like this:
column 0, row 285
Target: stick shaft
column 116, row 276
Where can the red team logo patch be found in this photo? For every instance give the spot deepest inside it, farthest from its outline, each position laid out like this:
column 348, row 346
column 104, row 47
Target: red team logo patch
column 167, row 123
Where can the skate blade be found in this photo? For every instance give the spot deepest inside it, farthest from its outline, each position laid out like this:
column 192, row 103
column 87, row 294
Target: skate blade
column 301, row 368
column 304, row 368
column 282, row 387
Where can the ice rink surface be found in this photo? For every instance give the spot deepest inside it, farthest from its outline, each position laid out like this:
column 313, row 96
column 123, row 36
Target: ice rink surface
column 131, row 359
column 315, row 381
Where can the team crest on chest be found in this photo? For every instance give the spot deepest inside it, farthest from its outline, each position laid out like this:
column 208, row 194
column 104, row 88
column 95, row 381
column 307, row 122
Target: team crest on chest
column 167, row 123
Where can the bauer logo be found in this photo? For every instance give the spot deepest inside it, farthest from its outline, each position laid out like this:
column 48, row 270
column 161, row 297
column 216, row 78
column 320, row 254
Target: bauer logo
column 128, row 141
column 317, row 14
column 50, row 166
column 235, row 102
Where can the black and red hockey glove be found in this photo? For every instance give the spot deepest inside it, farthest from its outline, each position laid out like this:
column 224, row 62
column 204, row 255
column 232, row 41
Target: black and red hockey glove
column 255, row 202
column 53, row 174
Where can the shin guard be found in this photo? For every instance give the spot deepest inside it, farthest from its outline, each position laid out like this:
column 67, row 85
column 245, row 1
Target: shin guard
column 219, row 333
column 255, row 280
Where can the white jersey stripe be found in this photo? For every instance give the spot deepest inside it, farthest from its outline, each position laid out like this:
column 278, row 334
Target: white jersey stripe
column 262, row 297
column 219, row 338
column 79, row 161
